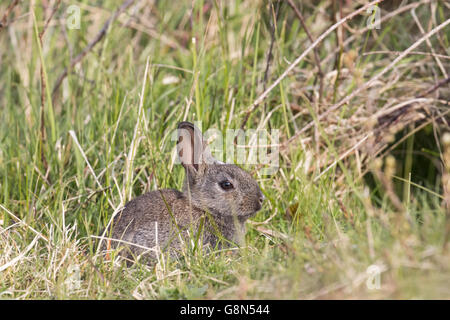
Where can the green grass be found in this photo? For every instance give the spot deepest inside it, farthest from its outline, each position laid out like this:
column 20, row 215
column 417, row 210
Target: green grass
column 108, row 140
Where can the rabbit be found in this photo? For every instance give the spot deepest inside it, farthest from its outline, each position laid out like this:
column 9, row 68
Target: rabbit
column 216, row 200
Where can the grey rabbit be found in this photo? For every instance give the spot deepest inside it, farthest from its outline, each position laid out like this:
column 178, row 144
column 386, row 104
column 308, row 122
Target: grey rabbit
column 216, row 200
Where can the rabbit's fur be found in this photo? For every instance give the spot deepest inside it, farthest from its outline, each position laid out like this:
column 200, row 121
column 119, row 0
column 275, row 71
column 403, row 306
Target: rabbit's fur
column 204, row 210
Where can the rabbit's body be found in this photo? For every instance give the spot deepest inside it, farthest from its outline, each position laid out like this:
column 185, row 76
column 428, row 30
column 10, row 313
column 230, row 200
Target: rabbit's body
column 150, row 227
column 216, row 201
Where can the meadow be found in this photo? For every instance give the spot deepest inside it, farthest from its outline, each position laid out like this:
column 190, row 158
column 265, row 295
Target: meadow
column 358, row 91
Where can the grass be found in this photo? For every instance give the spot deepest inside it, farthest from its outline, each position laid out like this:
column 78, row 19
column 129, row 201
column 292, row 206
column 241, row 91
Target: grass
column 366, row 185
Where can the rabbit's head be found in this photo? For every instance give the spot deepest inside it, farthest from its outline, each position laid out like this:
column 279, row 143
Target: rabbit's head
column 222, row 189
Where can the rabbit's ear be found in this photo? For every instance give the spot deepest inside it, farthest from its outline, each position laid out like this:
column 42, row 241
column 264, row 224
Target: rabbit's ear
column 192, row 148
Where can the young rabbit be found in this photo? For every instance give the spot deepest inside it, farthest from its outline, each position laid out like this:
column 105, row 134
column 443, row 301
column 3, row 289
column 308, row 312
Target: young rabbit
column 216, row 200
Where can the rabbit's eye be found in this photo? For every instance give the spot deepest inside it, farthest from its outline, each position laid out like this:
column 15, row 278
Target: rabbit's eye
column 226, row 185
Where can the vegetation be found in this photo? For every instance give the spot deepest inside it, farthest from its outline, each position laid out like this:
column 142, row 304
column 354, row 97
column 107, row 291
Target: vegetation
column 362, row 193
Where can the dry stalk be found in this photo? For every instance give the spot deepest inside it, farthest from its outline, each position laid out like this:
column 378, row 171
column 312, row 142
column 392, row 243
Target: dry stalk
column 91, row 44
